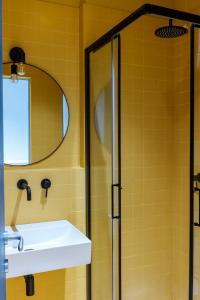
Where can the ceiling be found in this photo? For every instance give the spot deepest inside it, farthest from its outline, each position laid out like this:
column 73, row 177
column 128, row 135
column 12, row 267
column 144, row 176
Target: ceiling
column 75, row 3
column 127, row 5
column 118, row 4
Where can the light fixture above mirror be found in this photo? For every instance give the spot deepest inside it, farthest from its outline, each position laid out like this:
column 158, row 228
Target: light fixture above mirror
column 18, row 58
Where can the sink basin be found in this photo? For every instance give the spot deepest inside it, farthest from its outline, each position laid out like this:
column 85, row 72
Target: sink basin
column 47, row 246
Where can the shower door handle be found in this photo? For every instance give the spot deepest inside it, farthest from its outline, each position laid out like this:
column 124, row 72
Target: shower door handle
column 116, row 198
column 198, row 223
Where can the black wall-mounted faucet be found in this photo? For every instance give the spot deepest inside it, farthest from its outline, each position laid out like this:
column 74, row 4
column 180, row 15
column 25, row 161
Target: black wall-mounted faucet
column 22, row 184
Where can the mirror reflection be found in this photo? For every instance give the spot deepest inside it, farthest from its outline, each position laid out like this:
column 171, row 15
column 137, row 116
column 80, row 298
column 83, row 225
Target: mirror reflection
column 103, row 111
column 36, row 116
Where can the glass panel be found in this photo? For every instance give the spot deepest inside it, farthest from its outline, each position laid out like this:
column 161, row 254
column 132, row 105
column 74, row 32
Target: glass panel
column 196, row 276
column 155, row 162
column 2, row 225
column 16, row 133
column 101, row 172
column 115, row 173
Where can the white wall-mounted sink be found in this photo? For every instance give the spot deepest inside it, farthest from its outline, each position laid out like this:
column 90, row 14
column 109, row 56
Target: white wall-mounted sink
column 47, row 246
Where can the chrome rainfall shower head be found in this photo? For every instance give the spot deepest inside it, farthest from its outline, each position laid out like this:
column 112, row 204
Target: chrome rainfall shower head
column 170, row 31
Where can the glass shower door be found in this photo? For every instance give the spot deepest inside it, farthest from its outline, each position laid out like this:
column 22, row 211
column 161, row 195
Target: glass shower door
column 196, row 194
column 104, row 173
column 2, row 228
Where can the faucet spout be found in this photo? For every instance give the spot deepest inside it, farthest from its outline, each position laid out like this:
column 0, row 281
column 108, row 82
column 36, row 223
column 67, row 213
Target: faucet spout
column 28, row 191
column 22, row 184
column 14, row 237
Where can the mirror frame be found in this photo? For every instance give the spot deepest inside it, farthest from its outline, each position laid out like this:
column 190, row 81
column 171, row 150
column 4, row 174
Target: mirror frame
column 49, row 155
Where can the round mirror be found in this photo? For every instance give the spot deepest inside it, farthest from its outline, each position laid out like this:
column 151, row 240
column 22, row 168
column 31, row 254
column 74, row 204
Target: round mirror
column 35, row 115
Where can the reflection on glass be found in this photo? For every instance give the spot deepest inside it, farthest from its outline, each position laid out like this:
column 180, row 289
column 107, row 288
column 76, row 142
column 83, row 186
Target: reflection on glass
column 16, row 133
column 103, row 115
column 100, row 118
column 101, row 171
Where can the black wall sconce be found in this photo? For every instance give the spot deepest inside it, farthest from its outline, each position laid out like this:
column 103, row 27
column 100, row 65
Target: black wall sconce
column 17, row 56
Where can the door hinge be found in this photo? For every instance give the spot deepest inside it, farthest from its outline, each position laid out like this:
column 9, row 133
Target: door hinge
column 5, row 264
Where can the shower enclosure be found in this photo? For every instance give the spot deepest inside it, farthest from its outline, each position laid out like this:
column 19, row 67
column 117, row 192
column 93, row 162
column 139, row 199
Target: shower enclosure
column 143, row 158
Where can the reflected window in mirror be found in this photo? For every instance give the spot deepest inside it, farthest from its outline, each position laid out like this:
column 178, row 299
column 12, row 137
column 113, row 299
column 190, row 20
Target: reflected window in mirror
column 16, row 121
column 65, row 115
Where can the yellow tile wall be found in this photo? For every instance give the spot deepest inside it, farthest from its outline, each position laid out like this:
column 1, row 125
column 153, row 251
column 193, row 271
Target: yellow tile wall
column 180, row 185
column 147, row 137
column 181, row 204
column 49, row 34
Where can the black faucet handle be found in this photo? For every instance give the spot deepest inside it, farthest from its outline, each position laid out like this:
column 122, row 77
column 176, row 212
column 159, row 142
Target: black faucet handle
column 46, row 184
column 22, row 183
column 196, row 177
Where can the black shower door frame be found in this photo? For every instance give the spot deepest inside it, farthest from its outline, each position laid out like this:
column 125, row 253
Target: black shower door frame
column 102, row 41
